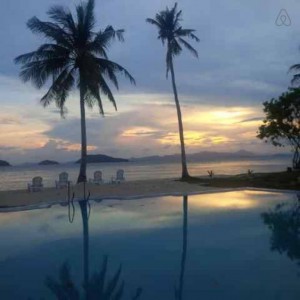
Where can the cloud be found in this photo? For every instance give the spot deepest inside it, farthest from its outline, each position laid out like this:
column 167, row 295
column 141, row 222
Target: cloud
column 9, row 121
column 252, row 120
column 243, row 61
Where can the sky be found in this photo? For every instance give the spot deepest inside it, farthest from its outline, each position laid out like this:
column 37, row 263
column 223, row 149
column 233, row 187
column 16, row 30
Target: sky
column 243, row 61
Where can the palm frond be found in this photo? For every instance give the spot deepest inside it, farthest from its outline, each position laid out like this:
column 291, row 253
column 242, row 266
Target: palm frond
column 50, row 30
column 178, row 16
column 39, row 71
column 188, row 46
column 187, row 33
column 91, row 95
column 106, row 90
column 89, row 17
column 60, row 89
column 45, row 51
column 175, row 47
column 63, row 17
column 153, row 22
column 119, row 33
column 112, row 67
column 113, row 284
column 64, row 288
column 100, row 106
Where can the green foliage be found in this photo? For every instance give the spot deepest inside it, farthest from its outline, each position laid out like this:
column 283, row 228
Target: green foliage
column 282, row 123
column 74, row 54
column 171, row 32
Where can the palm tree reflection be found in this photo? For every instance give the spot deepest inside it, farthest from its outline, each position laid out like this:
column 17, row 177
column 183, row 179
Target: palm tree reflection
column 284, row 222
column 98, row 286
column 179, row 289
column 85, row 223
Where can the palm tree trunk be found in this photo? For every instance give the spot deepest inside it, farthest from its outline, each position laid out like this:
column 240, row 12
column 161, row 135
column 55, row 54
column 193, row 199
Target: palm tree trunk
column 82, row 172
column 185, row 173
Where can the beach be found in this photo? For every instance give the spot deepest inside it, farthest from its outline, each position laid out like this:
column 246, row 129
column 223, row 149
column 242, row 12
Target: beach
column 142, row 180
column 17, row 177
column 129, row 189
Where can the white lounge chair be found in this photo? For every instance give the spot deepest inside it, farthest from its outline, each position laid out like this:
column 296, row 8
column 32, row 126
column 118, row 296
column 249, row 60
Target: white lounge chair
column 36, row 185
column 97, row 178
column 63, row 180
column 119, row 178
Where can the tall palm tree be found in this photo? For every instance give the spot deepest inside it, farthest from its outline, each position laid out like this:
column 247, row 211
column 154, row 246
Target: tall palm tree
column 170, row 32
column 74, row 54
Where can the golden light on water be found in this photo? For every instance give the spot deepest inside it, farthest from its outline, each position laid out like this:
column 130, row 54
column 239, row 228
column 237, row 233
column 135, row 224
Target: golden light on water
column 224, row 201
column 233, row 203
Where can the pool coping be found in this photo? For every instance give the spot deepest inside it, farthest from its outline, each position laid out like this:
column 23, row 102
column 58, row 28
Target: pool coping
column 44, row 205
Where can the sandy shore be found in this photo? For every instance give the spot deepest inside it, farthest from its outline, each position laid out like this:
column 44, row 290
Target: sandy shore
column 130, row 189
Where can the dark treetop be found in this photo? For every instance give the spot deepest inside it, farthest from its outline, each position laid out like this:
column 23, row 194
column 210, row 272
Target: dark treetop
column 4, row 163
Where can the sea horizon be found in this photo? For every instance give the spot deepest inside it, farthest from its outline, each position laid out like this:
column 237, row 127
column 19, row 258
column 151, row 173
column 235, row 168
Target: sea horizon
column 17, row 177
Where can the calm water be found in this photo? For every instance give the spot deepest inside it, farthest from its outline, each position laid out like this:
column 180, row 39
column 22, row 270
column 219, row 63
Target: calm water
column 237, row 245
column 17, row 177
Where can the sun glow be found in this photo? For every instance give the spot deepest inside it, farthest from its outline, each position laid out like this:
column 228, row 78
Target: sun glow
column 218, row 117
column 193, row 138
column 138, row 131
column 190, row 137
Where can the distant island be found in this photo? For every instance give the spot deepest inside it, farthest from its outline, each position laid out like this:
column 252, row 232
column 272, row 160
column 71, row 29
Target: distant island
column 100, row 158
column 4, row 163
column 48, row 163
column 206, row 156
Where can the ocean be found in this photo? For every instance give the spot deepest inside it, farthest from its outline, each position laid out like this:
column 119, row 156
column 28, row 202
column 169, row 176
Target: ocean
column 15, row 178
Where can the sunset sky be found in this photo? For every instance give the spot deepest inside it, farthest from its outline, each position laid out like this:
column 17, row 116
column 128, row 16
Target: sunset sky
column 243, row 61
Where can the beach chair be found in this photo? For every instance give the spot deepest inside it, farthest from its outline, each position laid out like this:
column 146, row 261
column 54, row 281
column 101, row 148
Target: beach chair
column 36, row 185
column 62, row 180
column 97, row 178
column 119, row 178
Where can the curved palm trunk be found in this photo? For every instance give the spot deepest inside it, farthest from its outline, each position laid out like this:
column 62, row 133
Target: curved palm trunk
column 82, row 172
column 185, row 173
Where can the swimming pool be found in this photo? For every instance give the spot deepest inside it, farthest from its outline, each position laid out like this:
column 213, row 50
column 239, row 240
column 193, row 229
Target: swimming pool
column 233, row 245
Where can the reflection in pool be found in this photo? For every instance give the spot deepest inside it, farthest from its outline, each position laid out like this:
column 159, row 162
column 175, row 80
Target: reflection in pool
column 97, row 286
column 284, row 223
column 212, row 246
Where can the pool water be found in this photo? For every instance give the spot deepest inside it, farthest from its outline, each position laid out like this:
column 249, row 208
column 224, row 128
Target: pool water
column 234, row 245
